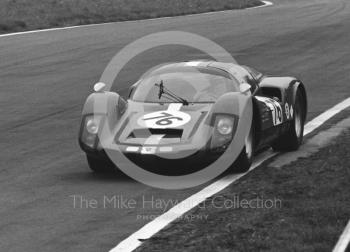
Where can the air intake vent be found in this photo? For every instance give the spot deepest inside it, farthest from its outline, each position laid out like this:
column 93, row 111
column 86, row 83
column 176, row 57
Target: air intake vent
column 145, row 133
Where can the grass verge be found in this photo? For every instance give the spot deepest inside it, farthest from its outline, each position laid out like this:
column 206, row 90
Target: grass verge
column 310, row 213
column 21, row 15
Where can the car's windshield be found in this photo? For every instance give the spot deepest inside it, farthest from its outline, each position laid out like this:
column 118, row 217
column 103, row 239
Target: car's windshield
column 193, row 85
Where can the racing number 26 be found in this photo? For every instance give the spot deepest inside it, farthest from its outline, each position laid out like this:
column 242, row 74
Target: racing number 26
column 164, row 119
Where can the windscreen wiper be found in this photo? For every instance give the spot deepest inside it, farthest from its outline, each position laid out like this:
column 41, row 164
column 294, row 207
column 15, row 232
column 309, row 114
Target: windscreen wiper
column 164, row 91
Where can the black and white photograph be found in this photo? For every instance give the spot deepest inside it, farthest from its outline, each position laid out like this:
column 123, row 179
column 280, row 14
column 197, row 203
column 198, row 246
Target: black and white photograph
column 175, row 125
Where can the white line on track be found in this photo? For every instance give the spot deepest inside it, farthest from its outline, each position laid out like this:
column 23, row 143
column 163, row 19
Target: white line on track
column 266, row 4
column 153, row 227
column 343, row 240
column 319, row 120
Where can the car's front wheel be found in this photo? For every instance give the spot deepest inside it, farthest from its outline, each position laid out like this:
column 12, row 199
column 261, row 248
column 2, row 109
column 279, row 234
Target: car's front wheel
column 245, row 158
column 100, row 165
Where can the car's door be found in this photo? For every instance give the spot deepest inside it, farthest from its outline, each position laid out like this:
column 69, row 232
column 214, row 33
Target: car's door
column 268, row 110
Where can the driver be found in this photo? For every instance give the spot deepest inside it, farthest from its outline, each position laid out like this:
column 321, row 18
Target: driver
column 212, row 92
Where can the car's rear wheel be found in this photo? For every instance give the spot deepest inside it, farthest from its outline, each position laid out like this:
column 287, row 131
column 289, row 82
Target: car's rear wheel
column 100, row 165
column 293, row 138
column 245, row 158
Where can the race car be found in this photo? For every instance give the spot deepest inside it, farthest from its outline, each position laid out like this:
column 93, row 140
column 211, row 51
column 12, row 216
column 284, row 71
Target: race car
column 180, row 117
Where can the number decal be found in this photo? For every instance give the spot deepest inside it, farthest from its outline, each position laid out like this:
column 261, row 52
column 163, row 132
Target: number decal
column 279, row 117
column 275, row 107
column 164, row 114
column 167, row 119
column 164, row 119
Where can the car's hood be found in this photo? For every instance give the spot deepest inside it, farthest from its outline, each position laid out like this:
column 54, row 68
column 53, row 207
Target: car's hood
column 163, row 124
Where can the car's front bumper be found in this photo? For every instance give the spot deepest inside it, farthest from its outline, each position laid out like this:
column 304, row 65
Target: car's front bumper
column 175, row 160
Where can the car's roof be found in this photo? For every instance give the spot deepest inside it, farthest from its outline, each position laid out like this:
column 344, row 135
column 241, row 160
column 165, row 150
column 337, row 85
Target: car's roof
column 231, row 68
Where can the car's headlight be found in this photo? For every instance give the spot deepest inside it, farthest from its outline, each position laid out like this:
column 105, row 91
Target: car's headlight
column 222, row 132
column 90, row 128
column 225, row 125
column 92, row 125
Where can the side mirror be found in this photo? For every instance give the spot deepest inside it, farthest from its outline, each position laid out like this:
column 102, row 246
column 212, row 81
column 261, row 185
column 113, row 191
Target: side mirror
column 99, row 87
column 244, row 87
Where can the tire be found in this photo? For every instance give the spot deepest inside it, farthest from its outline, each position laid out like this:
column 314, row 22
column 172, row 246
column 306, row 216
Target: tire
column 293, row 138
column 245, row 158
column 100, row 165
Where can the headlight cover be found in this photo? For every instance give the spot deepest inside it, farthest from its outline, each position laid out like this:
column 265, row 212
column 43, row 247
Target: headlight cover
column 223, row 130
column 224, row 125
column 90, row 128
column 92, row 125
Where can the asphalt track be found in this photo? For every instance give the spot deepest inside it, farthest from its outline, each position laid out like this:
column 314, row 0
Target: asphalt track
column 45, row 78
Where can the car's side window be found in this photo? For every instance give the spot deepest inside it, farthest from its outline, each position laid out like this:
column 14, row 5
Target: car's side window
column 250, row 80
column 253, row 77
column 257, row 75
